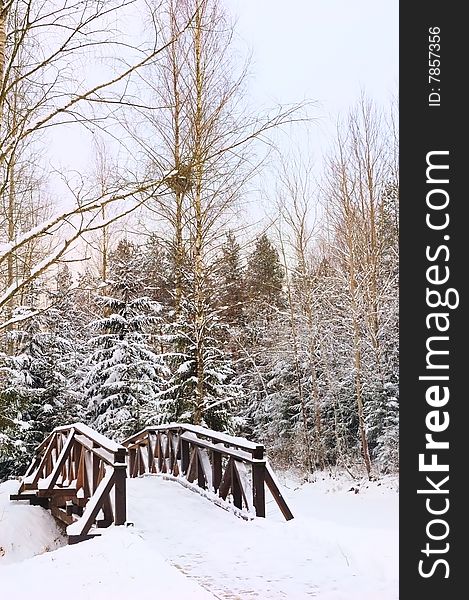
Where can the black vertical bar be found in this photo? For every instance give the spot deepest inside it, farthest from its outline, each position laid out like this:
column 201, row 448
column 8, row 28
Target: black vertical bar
column 433, row 127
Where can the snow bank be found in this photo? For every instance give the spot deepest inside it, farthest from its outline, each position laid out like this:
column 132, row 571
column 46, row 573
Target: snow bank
column 341, row 545
column 25, row 531
column 118, row 566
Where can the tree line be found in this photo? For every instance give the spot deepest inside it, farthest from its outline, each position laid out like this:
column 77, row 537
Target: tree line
column 289, row 336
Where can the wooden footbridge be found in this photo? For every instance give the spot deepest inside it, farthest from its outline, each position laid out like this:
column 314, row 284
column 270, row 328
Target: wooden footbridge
column 80, row 475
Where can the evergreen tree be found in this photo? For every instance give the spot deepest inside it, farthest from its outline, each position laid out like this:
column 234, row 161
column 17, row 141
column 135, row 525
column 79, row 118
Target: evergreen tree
column 232, row 292
column 221, row 394
column 126, row 376
column 35, row 388
column 264, row 276
column 157, row 272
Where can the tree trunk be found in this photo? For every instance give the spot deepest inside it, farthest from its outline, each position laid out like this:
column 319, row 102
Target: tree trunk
column 198, row 216
column 3, row 41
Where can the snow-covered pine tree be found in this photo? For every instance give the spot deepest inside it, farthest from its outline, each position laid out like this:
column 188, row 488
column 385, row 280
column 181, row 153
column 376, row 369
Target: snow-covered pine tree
column 265, row 276
column 232, row 294
column 382, row 409
column 221, row 394
column 157, row 271
column 265, row 302
column 126, row 375
column 36, row 384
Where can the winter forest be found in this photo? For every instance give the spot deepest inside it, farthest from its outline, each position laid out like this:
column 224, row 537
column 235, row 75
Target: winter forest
column 152, row 285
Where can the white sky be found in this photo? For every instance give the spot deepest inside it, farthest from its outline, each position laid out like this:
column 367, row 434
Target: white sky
column 323, row 50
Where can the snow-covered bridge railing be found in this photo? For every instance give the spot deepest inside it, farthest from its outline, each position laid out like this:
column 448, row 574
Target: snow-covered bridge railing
column 73, row 474
column 231, row 468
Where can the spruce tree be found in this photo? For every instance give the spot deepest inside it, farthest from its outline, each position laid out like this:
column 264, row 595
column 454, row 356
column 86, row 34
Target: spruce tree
column 35, row 387
column 264, row 276
column 232, row 288
column 221, row 393
column 126, row 375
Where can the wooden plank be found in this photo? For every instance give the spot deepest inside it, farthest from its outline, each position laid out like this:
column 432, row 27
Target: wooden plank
column 276, row 493
column 52, row 478
column 137, row 462
column 132, row 461
column 176, row 444
column 45, row 442
column 173, row 442
column 201, row 480
column 78, row 450
column 160, row 453
column 258, row 488
column 205, row 467
column 224, row 438
column 80, row 501
column 33, row 465
column 62, row 515
column 107, row 512
column 236, row 486
column 216, row 469
column 163, row 444
column 233, row 441
column 141, row 462
column 151, row 461
column 138, row 437
column 24, row 495
column 45, row 457
column 105, row 455
column 144, row 456
column 82, row 477
column 96, row 479
column 89, row 471
column 49, row 493
column 120, row 499
column 120, row 456
column 244, row 483
column 235, row 453
column 99, row 439
column 75, row 539
column 225, row 483
column 83, row 525
column 192, row 469
column 185, row 456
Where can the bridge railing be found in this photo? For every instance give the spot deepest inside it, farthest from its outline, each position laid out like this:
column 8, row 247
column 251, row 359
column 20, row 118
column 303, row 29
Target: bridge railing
column 80, row 476
column 232, row 468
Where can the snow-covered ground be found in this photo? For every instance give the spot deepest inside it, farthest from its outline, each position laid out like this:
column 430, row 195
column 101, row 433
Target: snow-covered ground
column 340, row 546
column 24, row 530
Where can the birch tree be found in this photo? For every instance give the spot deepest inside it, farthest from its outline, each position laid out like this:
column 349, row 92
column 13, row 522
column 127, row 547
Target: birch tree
column 44, row 48
column 356, row 192
column 204, row 140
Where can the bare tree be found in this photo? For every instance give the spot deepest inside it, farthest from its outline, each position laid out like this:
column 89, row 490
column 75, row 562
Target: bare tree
column 203, row 137
column 360, row 173
column 298, row 210
column 42, row 49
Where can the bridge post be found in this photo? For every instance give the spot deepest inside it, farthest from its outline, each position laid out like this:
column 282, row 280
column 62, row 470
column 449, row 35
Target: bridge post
column 217, row 471
column 258, row 481
column 132, row 461
column 120, row 501
column 95, row 471
column 185, row 457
